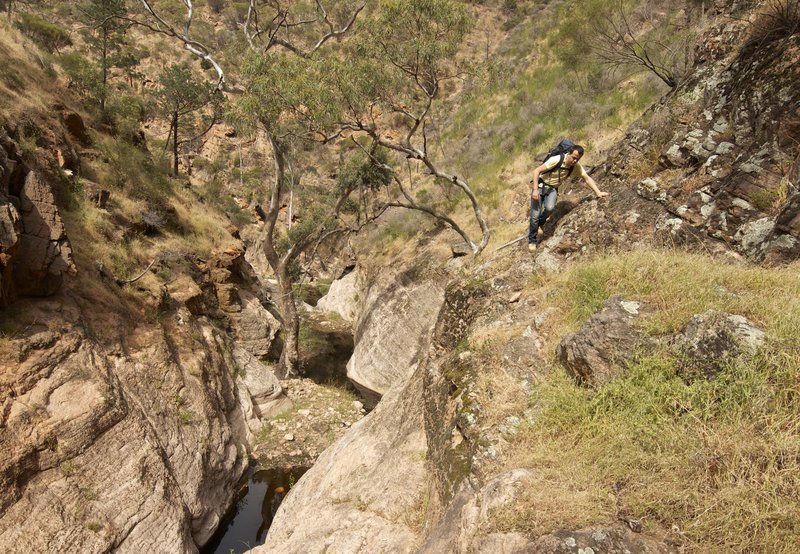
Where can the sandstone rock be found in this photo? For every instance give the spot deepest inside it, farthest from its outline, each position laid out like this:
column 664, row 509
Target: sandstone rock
column 263, row 386
column 228, row 297
column 458, row 530
column 103, row 452
column 383, row 356
column 185, row 291
column 342, row 297
column 45, row 254
column 363, row 489
column 713, row 339
column 596, row 353
column 255, row 327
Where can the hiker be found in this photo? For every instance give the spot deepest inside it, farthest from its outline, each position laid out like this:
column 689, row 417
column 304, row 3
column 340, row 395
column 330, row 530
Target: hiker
column 546, row 180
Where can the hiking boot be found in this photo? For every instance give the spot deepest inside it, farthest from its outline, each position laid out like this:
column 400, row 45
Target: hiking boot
column 531, row 247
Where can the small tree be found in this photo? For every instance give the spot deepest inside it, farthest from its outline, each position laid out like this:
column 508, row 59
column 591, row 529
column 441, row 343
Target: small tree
column 105, row 33
column 180, row 97
column 48, row 35
column 624, row 37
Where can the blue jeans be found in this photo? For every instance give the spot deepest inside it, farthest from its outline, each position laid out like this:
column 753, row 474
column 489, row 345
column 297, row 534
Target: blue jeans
column 540, row 209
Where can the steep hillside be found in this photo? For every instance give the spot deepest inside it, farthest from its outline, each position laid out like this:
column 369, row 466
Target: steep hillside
column 631, row 386
column 126, row 419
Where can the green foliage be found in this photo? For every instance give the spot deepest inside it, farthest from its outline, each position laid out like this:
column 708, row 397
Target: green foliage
column 126, row 112
column 641, row 430
column 363, row 172
column 82, row 75
column 104, row 34
column 180, row 92
column 46, row 34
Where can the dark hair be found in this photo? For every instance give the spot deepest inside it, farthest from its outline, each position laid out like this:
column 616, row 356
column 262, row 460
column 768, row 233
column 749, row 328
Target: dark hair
column 577, row 147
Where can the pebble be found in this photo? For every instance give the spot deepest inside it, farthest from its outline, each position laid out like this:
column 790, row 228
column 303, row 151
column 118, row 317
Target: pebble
column 288, row 437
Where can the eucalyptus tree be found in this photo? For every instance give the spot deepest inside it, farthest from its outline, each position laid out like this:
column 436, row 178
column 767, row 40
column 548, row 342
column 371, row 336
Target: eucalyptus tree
column 181, row 96
column 388, row 85
column 294, row 89
column 283, row 38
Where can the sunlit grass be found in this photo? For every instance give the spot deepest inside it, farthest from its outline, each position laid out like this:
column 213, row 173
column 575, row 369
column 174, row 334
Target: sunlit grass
column 715, row 459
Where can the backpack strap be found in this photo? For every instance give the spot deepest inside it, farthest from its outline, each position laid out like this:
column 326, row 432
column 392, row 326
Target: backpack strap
column 557, row 167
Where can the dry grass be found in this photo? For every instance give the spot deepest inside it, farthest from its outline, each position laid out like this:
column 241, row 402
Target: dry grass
column 718, row 460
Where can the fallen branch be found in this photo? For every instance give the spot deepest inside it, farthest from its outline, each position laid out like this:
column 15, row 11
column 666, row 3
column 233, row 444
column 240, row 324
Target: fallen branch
column 510, row 243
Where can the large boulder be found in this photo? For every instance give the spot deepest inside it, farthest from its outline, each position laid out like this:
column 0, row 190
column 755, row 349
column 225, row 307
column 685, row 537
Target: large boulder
column 365, row 491
column 393, row 331
column 595, row 354
column 712, row 340
column 342, row 297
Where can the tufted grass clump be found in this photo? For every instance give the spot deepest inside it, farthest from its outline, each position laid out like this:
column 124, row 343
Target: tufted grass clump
column 711, row 463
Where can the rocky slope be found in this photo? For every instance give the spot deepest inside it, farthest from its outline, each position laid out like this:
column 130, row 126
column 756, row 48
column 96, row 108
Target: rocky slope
column 714, row 164
column 127, row 413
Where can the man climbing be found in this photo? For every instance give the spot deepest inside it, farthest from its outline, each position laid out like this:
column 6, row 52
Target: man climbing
column 546, row 180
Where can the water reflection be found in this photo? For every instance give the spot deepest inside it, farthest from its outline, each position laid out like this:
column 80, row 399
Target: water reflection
column 247, row 523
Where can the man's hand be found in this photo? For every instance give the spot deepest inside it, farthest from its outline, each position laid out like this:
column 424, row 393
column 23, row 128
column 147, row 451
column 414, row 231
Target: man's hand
column 601, row 194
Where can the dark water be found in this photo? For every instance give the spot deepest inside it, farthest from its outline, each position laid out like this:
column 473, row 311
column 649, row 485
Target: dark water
column 247, row 523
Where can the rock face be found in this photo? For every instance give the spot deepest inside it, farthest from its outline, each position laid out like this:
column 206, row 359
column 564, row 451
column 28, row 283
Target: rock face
column 35, row 253
column 470, row 511
column 135, row 452
column 721, row 162
column 594, row 354
column 365, row 491
column 342, row 297
column 396, row 317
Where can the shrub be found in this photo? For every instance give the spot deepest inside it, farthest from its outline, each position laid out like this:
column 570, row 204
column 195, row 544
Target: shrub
column 780, row 20
column 42, row 32
column 82, row 75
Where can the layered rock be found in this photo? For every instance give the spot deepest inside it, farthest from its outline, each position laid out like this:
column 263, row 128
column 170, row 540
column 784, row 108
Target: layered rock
column 342, row 297
column 109, row 451
column 35, row 253
column 721, row 164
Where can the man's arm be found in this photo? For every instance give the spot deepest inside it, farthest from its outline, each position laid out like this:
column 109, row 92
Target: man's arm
column 592, row 185
column 535, row 182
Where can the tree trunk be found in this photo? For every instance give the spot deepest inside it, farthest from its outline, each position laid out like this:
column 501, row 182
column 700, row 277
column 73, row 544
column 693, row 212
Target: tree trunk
column 291, row 325
column 104, row 63
column 280, row 265
column 175, row 143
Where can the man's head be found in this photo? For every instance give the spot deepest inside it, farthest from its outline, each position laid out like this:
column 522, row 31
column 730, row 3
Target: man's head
column 575, row 154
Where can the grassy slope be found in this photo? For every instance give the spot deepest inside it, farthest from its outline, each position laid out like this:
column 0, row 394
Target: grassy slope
column 715, row 459
column 148, row 216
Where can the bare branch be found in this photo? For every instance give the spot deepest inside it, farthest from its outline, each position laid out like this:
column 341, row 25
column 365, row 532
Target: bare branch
column 162, row 26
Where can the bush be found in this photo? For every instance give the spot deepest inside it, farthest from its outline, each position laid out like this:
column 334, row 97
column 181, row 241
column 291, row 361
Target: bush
column 126, row 111
column 780, row 20
column 42, row 32
column 82, row 75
